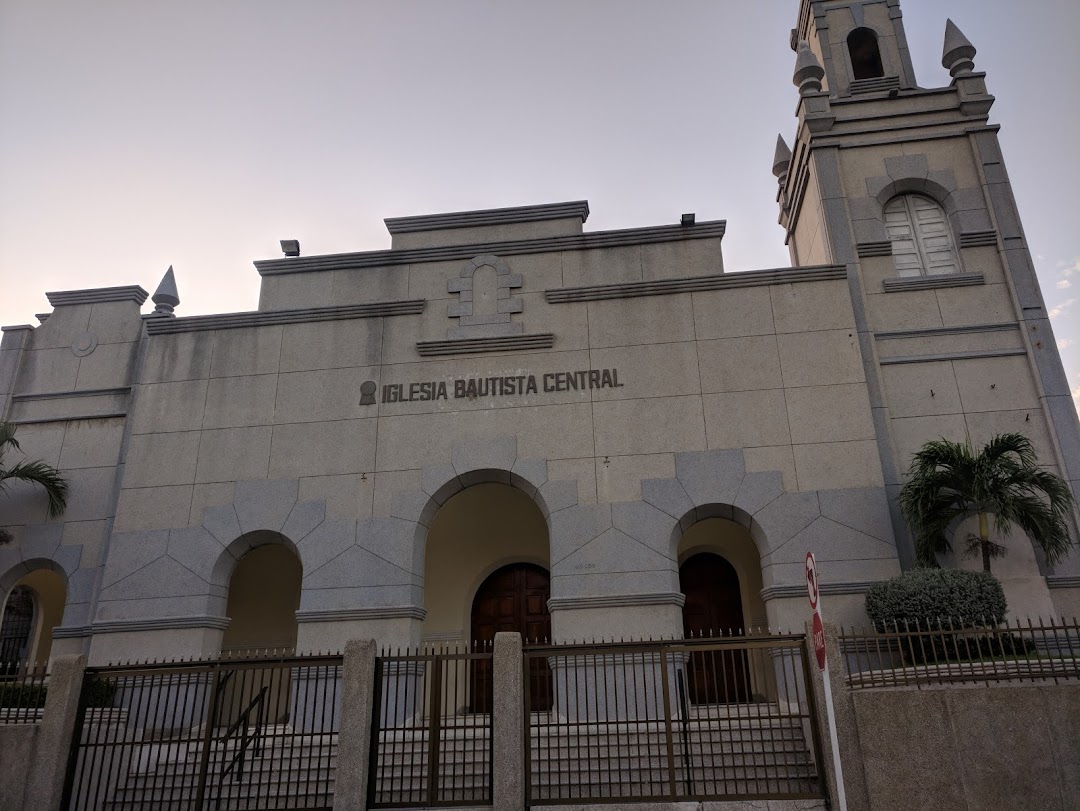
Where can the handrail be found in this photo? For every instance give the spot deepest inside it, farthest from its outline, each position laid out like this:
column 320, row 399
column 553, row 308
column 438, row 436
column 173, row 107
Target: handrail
column 245, row 741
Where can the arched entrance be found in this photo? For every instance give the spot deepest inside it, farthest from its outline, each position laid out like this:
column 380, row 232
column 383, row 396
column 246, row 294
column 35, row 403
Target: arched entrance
column 34, row 606
column 485, row 571
column 714, row 607
column 264, row 593
column 17, row 626
column 512, row 598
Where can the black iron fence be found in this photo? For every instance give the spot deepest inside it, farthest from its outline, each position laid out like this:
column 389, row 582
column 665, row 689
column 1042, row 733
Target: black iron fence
column 936, row 652
column 23, row 687
column 239, row 733
column 431, row 728
column 670, row 720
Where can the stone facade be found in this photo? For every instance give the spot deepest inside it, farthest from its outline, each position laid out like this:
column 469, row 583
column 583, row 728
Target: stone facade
column 622, row 380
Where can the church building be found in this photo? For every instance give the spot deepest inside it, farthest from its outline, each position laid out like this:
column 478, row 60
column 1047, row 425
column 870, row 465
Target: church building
column 508, row 421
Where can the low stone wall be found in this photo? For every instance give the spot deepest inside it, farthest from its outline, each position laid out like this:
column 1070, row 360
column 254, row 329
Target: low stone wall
column 1010, row 746
column 18, row 749
column 970, row 747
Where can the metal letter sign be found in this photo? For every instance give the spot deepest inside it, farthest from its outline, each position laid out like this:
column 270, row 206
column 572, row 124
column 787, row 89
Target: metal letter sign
column 811, row 580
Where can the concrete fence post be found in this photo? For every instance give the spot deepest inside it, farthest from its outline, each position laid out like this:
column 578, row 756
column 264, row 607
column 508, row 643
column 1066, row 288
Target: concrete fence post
column 508, row 724
column 354, row 732
column 847, row 730
column 54, row 742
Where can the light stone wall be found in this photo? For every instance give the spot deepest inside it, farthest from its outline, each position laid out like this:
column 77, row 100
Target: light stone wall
column 787, row 407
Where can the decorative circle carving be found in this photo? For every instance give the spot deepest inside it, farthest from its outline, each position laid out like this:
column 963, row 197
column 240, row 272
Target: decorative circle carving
column 84, row 344
column 367, row 392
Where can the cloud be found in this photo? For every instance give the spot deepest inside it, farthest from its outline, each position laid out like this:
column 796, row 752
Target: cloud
column 1064, row 343
column 1064, row 284
column 1076, row 396
column 1059, row 309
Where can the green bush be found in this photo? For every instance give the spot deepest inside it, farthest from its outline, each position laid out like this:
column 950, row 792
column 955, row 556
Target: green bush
column 100, row 693
column 933, row 598
column 13, row 694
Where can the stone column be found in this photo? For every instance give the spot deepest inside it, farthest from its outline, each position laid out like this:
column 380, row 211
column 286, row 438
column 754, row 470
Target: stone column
column 508, row 724
column 46, row 787
column 847, row 731
column 354, row 734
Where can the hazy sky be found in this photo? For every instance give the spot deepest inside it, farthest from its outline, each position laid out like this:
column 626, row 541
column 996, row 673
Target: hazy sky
column 135, row 135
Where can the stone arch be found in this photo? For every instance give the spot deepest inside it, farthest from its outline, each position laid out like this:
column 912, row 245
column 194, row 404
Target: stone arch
column 19, row 570
column 49, row 582
column 715, row 510
column 230, row 556
column 927, row 187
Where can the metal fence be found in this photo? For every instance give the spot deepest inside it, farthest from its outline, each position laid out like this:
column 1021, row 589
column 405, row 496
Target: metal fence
column 238, row 733
column 431, row 729
column 23, row 687
column 670, row 720
column 920, row 654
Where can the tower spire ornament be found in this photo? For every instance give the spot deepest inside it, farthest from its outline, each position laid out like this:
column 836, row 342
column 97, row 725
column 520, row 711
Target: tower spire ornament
column 958, row 53
column 781, row 159
column 808, row 70
column 166, row 297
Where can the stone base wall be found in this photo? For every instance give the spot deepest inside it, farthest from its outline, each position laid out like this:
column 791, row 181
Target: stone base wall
column 963, row 749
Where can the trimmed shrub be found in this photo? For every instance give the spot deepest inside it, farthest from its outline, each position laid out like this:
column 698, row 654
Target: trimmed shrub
column 100, row 693
column 14, row 694
column 933, row 598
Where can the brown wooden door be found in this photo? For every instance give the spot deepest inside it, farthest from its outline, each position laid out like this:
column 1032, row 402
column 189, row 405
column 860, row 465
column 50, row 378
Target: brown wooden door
column 513, row 598
column 713, row 608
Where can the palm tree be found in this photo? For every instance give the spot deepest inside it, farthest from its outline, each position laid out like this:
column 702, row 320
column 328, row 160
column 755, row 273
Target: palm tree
column 949, row 481
column 47, row 476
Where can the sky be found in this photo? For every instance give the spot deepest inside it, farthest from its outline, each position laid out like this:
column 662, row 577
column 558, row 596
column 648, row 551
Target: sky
column 138, row 135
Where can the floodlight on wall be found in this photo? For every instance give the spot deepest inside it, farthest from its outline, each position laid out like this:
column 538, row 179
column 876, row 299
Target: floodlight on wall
column 290, row 247
column 688, row 219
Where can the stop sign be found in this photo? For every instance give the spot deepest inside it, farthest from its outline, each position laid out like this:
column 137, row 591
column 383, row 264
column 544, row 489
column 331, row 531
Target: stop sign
column 819, row 641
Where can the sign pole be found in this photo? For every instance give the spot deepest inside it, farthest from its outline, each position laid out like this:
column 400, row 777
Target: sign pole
column 819, row 649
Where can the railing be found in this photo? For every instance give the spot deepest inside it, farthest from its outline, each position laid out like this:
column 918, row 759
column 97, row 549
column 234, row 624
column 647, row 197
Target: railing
column 181, row 735
column 23, row 687
column 670, row 720
column 431, row 729
column 922, row 654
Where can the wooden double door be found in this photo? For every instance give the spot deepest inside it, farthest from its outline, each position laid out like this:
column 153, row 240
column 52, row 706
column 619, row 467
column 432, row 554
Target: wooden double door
column 513, row 598
column 713, row 608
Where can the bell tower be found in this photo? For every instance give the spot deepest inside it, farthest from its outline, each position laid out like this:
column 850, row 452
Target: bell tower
column 906, row 186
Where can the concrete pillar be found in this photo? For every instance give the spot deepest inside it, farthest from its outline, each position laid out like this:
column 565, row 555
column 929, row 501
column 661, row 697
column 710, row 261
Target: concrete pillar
column 354, row 733
column 847, row 731
column 508, row 724
column 46, row 787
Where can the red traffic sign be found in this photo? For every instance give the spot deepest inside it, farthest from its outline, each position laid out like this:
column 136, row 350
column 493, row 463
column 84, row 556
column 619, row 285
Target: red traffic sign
column 819, row 641
column 811, row 580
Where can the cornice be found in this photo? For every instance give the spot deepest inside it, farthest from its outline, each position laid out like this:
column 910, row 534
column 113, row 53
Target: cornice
column 97, row 295
column 692, row 284
column 490, row 216
column 196, row 323
column 568, row 242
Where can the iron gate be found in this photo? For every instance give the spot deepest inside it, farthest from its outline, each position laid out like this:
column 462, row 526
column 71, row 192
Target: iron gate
column 252, row 733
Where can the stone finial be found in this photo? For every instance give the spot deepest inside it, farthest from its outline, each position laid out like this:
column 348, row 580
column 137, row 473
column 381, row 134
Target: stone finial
column 781, row 158
column 808, row 71
column 165, row 298
column 958, row 53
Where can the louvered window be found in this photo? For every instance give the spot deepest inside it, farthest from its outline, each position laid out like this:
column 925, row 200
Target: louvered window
column 921, row 242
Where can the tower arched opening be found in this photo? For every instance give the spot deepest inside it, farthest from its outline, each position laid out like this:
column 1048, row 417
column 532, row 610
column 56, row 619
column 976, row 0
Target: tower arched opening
column 865, row 54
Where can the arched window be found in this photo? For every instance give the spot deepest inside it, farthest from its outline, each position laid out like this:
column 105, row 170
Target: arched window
column 865, row 56
column 17, row 626
column 921, row 242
